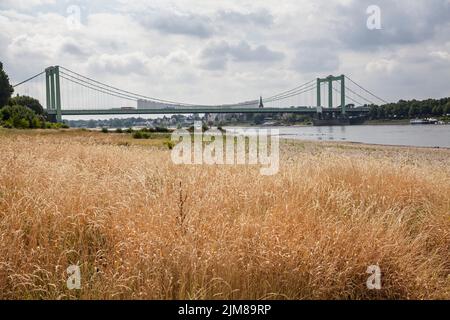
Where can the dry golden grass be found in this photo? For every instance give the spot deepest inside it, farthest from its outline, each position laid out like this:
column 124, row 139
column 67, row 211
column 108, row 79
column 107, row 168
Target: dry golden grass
column 143, row 228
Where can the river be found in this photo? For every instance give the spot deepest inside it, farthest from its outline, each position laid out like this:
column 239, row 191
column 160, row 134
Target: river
column 396, row 135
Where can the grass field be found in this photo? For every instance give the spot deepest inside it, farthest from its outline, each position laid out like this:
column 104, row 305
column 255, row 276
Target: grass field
column 141, row 227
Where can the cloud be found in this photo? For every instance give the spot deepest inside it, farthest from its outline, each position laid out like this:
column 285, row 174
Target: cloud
column 188, row 24
column 216, row 55
column 382, row 66
column 75, row 49
column 403, row 22
column 123, row 64
column 24, row 4
column 260, row 17
column 441, row 55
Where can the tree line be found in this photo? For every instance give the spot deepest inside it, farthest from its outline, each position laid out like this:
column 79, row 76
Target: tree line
column 411, row 109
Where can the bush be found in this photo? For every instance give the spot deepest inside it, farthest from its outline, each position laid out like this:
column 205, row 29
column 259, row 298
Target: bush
column 119, row 130
column 138, row 135
column 161, row 130
column 50, row 125
column 21, row 117
column 141, row 135
column 105, row 130
column 28, row 102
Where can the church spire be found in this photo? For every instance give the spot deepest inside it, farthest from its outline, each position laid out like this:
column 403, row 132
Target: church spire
column 261, row 104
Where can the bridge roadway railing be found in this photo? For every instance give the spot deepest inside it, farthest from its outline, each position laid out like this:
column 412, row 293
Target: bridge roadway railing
column 295, row 110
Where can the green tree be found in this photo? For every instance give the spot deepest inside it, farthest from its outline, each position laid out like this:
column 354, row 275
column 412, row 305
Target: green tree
column 20, row 117
column 6, row 89
column 437, row 110
column 28, row 102
column 447, row 108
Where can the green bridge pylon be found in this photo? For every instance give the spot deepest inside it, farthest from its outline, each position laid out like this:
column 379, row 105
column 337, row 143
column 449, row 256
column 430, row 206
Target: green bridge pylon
column 330, row 80
column 53, row 91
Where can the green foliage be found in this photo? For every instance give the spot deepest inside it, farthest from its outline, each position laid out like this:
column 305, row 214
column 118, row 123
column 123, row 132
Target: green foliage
column 50, row 125
column 27, row 101
column 204, row 128
column 446, row 109
column 6, row 89
column 156, row 130
column 21, row 117
column 141, row 135
column 119, row 130
column 105, row 130
column 411, row 109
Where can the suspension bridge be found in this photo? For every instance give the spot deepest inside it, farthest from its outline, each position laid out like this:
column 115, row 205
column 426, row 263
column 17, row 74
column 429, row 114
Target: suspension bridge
column 68, row 93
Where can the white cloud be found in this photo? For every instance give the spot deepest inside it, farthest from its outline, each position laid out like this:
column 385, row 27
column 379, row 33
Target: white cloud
column 443, row 55
column 381, row 66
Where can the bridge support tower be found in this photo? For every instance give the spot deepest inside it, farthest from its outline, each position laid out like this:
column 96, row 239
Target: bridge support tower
column 330, row 80
column 53, row 93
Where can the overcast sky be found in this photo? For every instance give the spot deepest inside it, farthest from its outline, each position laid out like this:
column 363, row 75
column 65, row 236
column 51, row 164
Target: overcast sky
column 205, row 51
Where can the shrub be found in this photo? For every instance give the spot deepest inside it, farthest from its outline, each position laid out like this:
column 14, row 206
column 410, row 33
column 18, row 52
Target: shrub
column 28, row 102
column 119, row 130
column 138, row 135
column 21, row 117
column 141, row 135
column 105, row 130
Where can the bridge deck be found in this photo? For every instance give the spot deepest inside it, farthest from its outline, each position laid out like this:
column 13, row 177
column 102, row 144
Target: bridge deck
column 296, row 110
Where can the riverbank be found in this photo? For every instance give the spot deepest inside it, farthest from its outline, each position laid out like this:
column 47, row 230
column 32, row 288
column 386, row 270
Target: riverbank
column 141, row 227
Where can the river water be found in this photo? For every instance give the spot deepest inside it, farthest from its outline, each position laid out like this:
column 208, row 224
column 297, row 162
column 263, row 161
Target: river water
column 396, row 135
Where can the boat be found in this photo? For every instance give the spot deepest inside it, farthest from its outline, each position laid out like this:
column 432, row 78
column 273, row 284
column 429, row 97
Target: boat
column 424, row 121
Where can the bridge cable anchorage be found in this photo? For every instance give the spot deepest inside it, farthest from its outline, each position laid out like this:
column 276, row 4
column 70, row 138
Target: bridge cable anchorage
column 367, row 91
column 297, row 93
column 289, row 91
column 350, row 98
column 98, row 90
column 29, row 79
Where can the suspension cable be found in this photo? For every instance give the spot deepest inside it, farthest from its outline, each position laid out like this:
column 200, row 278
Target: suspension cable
column 289, row 91
column 95, row 89
column 29, row 79
column 101, row 89
column 131, row 93
column 367, row 91
column 365, row 99
column 286, row 96
column 350, row 98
